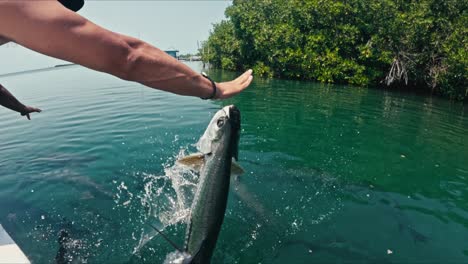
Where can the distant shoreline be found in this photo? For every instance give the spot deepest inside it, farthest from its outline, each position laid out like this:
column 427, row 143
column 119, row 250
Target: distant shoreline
column 64, row 65
column 38, row 70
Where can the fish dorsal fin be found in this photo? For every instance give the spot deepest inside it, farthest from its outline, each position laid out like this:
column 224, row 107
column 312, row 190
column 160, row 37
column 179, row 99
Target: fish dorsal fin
column 174, row 245
column 193, row 161
column 236, row 169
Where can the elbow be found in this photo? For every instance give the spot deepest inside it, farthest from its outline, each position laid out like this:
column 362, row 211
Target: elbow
column 123, row 63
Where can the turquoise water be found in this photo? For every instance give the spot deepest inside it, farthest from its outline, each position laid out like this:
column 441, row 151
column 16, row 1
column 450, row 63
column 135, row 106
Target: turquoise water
column 333, row 173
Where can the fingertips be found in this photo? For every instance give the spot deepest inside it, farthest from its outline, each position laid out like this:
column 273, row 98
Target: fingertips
column 247, row 73
column 244, row 76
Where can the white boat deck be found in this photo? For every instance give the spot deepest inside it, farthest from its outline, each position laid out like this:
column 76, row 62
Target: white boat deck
column 10, row 253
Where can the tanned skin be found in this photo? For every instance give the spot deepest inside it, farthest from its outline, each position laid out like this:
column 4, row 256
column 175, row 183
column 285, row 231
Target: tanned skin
column 10, row 102
column 51, row 29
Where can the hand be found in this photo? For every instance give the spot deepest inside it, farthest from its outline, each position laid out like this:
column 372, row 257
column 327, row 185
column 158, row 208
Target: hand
column 28, row 110
column 229, row 89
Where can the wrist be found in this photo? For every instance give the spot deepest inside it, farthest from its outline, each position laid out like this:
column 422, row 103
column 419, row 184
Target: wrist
column 214, row 89
column 24, row 109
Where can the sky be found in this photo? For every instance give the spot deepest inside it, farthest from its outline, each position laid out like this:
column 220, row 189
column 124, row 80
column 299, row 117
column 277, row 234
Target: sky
column 164, row 24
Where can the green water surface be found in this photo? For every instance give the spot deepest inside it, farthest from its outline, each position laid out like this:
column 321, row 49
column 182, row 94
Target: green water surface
column 334, row 174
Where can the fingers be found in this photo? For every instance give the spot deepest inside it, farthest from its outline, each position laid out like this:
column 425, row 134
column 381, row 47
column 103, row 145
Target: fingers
column 33, row 109
column 244, row 77
column 244, row 84
column 232, row 88
column 30, row 110
column 247, row 82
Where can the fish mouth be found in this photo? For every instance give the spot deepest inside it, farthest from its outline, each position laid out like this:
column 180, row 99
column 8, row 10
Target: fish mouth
column 234, row 117
column 233, row 113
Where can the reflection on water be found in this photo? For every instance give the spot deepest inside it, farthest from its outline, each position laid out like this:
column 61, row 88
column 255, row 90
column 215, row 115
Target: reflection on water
column 333, row 173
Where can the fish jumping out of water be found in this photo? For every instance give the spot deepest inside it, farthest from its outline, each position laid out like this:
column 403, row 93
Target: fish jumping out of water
column 218, row 151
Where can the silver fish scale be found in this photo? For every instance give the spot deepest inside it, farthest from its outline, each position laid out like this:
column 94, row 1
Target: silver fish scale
column 210, row 201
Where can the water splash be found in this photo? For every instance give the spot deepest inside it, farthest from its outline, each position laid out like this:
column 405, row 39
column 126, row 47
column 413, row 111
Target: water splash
column 167, row 198
column 176, row 257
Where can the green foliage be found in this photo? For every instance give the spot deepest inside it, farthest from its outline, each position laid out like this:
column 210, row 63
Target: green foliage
column 222, row 48
column 407, row 43
column 261, row 69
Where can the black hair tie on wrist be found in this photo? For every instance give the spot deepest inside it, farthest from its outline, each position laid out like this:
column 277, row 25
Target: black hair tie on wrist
column 213, row 94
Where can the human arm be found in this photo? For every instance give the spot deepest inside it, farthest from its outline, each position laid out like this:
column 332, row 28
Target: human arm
column 49, row 28
column 9, row 101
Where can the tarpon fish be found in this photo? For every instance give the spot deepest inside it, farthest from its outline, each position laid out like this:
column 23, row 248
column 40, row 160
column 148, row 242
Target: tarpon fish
column 218, row 151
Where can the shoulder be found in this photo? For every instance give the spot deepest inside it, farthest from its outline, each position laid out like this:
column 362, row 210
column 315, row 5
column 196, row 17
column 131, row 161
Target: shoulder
column 24, row 16
column 11, row 8
column 16, row 3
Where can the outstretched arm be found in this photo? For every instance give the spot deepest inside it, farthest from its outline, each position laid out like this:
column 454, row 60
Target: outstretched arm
column 51, row 29
column 9, row 101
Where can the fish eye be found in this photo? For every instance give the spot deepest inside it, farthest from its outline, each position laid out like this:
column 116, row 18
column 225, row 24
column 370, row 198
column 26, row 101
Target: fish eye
column 221, row 122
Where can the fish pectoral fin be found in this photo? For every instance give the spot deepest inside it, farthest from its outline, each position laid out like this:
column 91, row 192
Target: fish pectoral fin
column 236, row 169
column 194, row 161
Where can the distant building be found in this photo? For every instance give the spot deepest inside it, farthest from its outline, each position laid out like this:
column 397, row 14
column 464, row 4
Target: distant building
column 173, row 53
